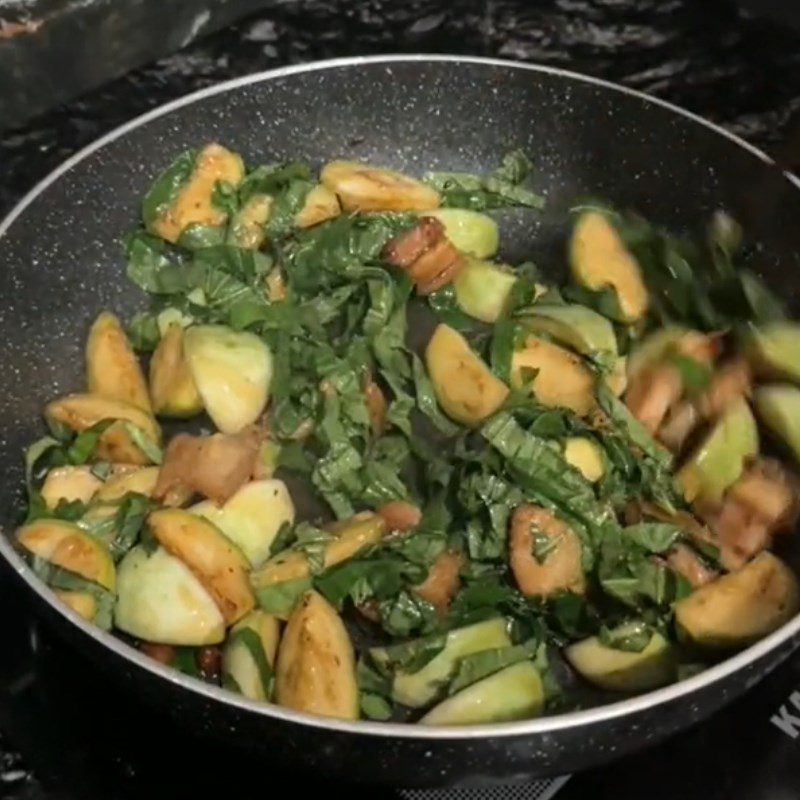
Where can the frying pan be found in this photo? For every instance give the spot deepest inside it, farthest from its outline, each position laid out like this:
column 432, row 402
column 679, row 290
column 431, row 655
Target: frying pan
column 62, row 264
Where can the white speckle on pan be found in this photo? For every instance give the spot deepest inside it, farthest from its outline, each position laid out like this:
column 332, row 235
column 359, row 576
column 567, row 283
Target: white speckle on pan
column 197, row 24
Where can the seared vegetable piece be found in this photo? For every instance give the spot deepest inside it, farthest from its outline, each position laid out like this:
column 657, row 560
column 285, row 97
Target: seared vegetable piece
column 376, row 407
column 163, row 653
column 321, row 204
column 214, row 466
column 160, row 600
column 141, row 481
column 106, row 503
column 730, row 383
column 275, row 286
column 361, row 187
column 584, row 331
column 252, row 517
column 417, row 689
column 82, row 603
column 247, row 224
column 249, row 655
column 739, row 533
column 267, row 459
column 483, row 288
column 220, row 567
column 349, row 537
column 515, row 692
column 405, row 249
column 770, row 491
column 426, row 255
column 657, row 385
column 192, row 204
column 471, row 232
column 545, row 553
column 663, row 343
column 617, row 379
column 775, row 350
column 442, row 581
column 719, row 460
column 778, row 406
column 112, row 369
column 65, row 545
column 652, row 393
column 400, row 515
column 741, row 607
column 621, row 670
column 653, row 348
column 679, row 424
column 600, row 260
column 576, row 326
column 81, row 411
column 316, row 670
column 465, row 387
column 687, row 562
column 437, row 268
column 562, row 379
column 762, row 502
column 172, row 387
column 232, row 371
column 585, row 455
column 68, row 484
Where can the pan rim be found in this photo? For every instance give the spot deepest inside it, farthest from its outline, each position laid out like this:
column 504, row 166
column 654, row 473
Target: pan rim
column 540, row 726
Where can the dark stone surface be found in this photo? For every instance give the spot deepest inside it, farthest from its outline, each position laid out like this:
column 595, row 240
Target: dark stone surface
column 707, row 56
column 53, row 50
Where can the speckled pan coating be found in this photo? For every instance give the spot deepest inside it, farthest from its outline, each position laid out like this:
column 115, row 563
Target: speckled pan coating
column 60, row 264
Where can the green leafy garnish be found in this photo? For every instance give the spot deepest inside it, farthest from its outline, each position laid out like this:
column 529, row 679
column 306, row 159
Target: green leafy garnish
column 695, row 375
column 255, row 647
column 632, row 637
column 498, row 189
column 477, row 666
column 167, row 186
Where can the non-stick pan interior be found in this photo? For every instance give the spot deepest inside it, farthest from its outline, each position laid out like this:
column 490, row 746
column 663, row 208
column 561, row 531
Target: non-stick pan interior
column 61, row 256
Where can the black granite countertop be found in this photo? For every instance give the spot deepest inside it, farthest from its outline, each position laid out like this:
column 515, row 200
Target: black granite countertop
column 706, row 55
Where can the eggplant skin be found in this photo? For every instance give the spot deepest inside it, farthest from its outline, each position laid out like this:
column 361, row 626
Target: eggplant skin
column 316, row 670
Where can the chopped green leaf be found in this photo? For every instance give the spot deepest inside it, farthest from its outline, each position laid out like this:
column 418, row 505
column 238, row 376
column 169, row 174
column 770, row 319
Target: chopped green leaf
column 373, row 706
column 475, row 667
column 407, row 613
column 501, row 188
column 280, row 598
column 167, row 186
column 144, row 442
column 632, row 637
column 655, row 537
column 252, row 641
column 695, row 375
